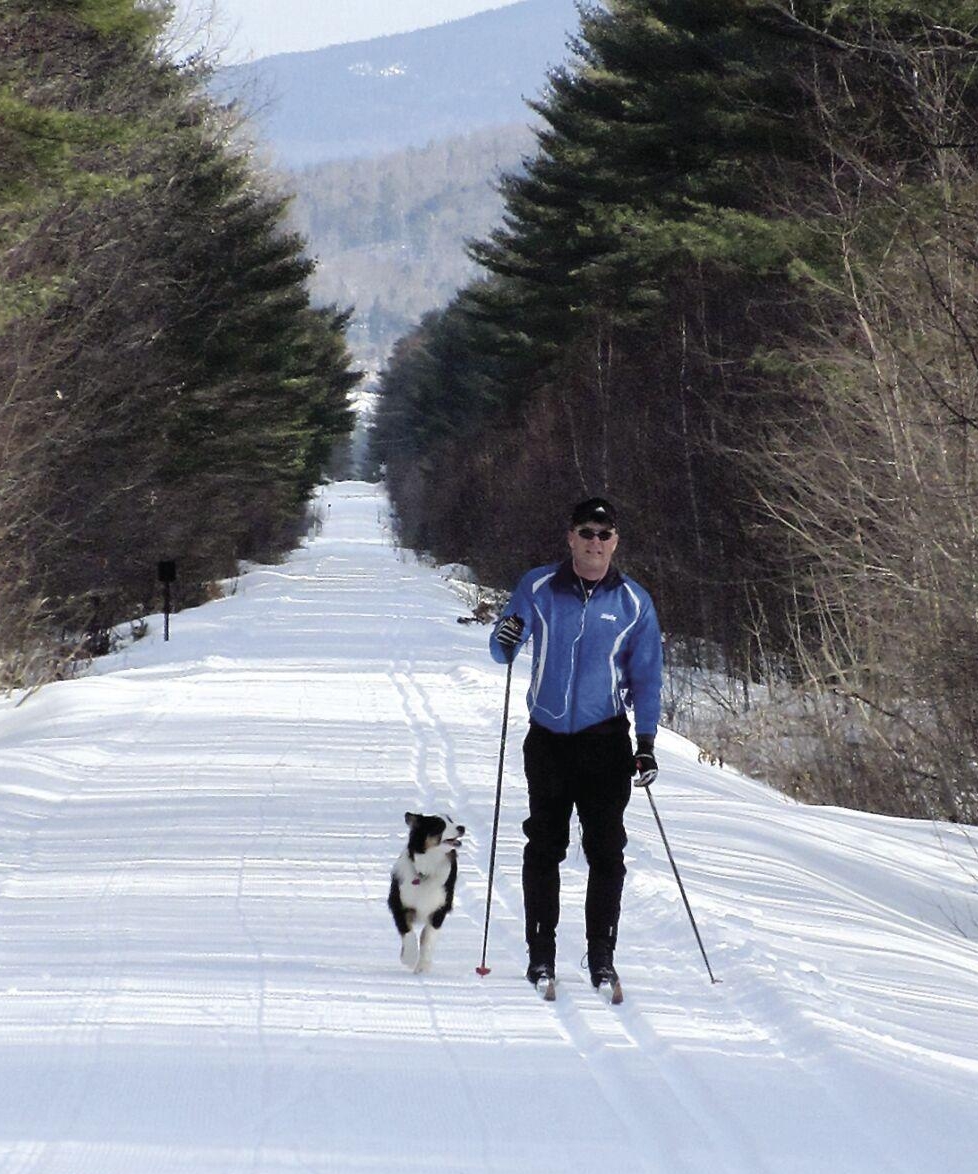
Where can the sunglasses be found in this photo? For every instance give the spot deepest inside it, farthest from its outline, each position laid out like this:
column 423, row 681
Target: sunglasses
column 587, row 534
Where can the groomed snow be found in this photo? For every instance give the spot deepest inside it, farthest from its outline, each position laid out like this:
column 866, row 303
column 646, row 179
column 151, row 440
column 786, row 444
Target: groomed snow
column 199, row 973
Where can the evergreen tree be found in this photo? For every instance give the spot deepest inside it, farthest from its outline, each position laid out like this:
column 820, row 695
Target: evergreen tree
column 166, row 391
column 632, row 251
column 733, row 290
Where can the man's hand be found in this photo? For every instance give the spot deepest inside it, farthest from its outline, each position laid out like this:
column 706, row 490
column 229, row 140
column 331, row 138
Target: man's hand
column 509, row 632
column 646, row 766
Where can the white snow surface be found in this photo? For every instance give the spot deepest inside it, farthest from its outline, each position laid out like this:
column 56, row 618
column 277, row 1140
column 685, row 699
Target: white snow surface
column 200, row 974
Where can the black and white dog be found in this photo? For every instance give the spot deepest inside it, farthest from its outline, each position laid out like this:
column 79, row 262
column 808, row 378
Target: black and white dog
column 423, row 885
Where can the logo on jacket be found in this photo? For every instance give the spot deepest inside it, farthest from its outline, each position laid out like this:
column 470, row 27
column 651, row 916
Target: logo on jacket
column 605, row 615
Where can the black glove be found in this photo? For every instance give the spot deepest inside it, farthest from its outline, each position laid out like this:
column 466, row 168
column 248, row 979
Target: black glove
column 509, row 632
column 646, row 766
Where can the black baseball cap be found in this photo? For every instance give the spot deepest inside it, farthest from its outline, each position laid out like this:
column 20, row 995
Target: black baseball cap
column 595, row 509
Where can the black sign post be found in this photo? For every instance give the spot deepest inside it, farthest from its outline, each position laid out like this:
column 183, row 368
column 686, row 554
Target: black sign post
column 166, row 572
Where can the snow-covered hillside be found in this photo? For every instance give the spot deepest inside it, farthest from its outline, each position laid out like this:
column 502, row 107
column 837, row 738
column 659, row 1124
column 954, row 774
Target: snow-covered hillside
column 198, row 973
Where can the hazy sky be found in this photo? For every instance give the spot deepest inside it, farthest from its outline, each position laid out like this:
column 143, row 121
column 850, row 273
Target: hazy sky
column 244, row 29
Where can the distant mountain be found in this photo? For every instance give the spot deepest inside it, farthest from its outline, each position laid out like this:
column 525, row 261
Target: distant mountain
column 393, row 148
column 379, row 96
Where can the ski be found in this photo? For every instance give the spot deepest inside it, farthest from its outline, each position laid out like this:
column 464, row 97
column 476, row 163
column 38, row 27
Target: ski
column 546, row 988
column 612, row 992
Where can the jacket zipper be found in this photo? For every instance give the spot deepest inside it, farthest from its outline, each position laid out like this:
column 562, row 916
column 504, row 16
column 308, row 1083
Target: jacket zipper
column 577, row 676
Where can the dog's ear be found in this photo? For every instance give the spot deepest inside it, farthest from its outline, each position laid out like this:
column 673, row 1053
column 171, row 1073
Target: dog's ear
column 411, row 820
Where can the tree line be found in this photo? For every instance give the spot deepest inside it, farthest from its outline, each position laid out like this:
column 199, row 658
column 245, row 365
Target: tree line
column 166, row 390
column 735, row 290
column 388, row 233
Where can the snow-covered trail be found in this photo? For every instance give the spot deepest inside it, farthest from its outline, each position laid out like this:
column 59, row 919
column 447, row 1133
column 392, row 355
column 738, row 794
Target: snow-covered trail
column 198, row 972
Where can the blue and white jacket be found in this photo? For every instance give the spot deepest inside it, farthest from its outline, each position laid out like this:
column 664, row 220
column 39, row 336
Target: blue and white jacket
column 593, row 655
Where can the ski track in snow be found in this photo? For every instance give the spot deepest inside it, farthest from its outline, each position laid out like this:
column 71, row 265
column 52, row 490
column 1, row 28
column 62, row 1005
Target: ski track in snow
column 199, row 974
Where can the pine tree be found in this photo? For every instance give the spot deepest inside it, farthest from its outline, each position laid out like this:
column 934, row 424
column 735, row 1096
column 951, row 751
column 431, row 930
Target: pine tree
column 630, row 252
column 165, row 390
column 734, row 290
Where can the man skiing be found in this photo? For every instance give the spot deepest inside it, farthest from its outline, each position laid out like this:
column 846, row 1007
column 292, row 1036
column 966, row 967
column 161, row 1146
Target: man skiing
column 597, row 650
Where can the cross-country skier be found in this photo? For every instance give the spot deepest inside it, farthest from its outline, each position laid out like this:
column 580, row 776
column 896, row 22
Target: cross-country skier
column 597, row 651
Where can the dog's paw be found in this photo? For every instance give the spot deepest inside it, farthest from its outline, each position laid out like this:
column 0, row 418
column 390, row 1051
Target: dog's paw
column 423, row 966
column 409, row 950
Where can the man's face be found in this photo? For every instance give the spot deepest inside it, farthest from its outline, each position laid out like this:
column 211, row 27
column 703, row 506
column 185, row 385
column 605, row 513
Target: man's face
column 591, row 545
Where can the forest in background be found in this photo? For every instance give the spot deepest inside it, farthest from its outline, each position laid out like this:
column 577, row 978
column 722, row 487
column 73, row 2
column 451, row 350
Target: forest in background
column 388, row 234
column 166, row 390
column 736, row 290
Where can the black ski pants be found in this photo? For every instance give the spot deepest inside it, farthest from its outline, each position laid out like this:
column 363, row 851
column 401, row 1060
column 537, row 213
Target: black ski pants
column 592, row 771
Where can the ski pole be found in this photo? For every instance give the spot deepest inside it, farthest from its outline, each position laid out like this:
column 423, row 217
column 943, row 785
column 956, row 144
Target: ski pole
column 484, row 969
column 692, row 919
